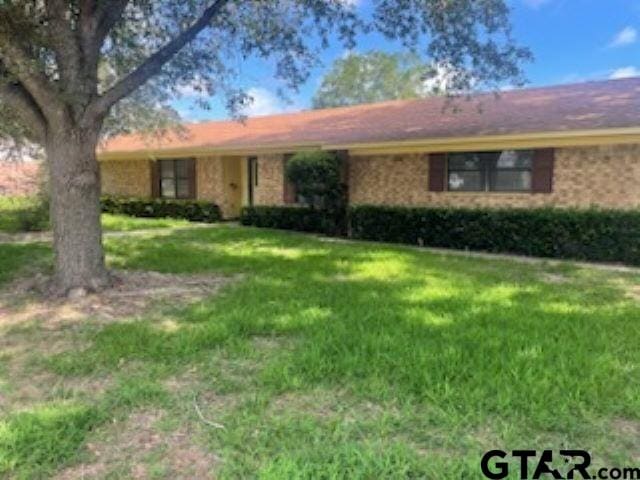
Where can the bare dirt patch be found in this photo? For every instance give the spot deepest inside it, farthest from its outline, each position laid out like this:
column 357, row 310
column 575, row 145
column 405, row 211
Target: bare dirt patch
column 330, row 404
column 627, row 427
column 634, row 293
column 555, row 278
column 33, row 326
column 137, row 448
column 626, row 436
column 134, row 293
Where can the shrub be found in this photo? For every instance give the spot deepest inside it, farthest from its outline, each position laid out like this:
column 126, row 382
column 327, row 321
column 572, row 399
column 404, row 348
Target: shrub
column 303, row 219
column 316, row 176
column 192, row 210
column 597, row 235
column 33, row 216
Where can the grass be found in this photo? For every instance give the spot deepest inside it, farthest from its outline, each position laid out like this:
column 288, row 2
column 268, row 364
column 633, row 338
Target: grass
column 345, row 360
column 124, row 223
column 14, row 209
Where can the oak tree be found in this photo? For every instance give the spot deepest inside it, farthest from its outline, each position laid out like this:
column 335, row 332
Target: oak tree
column 67, row 65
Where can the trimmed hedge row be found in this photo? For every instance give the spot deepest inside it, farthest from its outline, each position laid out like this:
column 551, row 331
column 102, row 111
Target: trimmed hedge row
column 192, row 210
column 596, row 235
column 303, row 219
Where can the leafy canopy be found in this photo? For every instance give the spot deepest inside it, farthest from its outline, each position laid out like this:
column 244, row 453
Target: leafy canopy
column 75, row 60
column 373, row 77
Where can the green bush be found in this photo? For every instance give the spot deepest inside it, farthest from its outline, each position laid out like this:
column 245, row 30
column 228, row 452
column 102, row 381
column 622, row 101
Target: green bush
column 193, row 210
column 34, row 219
column 596, row 235
column 316, row 176
column 24, row 214
column 303, row 219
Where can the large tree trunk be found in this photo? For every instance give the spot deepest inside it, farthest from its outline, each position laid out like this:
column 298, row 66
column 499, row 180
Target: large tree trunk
column 75, row 209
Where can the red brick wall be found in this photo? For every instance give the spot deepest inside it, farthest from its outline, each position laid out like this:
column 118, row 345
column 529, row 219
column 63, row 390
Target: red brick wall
column 19, row 179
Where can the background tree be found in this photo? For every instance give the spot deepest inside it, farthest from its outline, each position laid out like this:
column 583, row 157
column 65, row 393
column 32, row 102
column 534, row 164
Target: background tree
column 373, row 77
column 53, row 55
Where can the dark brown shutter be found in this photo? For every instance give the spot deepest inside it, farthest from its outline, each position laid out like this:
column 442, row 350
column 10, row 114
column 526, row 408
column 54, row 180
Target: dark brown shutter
column 192, row 177
column 289, row 195
column 542, row 173
column 437, row 171
column 154, row 167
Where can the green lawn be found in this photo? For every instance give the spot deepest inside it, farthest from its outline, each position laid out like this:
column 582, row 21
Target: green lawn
column 124, row 223
column 335, row 360
column 11, row 209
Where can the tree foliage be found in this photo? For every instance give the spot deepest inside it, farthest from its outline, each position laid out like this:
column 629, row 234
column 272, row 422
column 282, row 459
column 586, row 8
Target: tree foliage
column 54, row 53
column 373, row 77
column 67, row 67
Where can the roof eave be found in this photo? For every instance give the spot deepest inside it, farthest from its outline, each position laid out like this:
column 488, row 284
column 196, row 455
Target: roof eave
column 204, row 151
column 571, row 138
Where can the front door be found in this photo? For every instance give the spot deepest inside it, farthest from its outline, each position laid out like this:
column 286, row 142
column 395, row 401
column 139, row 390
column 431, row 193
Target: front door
column 233, row 186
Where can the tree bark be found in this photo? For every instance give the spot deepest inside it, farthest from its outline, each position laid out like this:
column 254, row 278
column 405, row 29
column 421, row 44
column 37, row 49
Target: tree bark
column 74, row 179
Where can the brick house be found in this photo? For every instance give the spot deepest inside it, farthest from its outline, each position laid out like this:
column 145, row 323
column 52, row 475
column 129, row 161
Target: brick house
column 19, row 179
column 564, row 146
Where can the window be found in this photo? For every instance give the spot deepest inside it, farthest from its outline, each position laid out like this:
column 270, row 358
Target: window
column 176, row 178
column 506, row 171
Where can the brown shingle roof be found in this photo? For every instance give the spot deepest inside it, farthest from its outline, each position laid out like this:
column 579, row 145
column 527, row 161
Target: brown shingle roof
column 585, row 106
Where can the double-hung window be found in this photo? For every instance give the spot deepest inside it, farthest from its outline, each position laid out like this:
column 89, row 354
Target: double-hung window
column 175, row 178
column 503, row 171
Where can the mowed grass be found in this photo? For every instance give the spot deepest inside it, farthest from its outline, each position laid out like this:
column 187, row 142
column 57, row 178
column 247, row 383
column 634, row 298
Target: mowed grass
column 124, row 223
column 330, row 359
column 12, row 208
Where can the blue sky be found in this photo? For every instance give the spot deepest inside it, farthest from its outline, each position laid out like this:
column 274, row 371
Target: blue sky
column 572, row 41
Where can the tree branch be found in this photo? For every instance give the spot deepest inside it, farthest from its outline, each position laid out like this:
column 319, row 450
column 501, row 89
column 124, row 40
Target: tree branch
column 17, row 98
column 153, row 65
column 108, row 15
column 19, row 63
column 19, row 58
column 65, row 44
column 97, row 19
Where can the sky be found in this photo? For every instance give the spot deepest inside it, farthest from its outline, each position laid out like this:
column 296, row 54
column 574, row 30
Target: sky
column 571, row 40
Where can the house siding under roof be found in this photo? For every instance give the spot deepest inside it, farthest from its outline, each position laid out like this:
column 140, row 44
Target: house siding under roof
column 591, row 131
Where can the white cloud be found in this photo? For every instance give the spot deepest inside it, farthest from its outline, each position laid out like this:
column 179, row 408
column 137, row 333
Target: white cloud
column 626, row 36
column 536, row 3
column 625, row 72
column 265, row 102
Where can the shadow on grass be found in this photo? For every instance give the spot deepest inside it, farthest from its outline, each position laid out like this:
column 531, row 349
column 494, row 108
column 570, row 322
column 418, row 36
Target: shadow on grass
column 476, row 338
column 16, row 259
